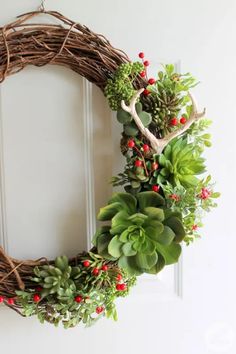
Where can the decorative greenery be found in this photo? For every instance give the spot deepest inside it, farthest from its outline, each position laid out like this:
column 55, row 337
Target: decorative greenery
column 169, row 98
column 120, row 86
column 82, row 293
column 143, row 235
column 130, row 128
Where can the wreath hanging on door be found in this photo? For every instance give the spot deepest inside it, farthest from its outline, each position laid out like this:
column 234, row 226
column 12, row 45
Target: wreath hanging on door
column 164, row 198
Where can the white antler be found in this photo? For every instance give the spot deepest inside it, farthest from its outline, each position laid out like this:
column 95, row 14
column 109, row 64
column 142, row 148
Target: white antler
column 159, row 144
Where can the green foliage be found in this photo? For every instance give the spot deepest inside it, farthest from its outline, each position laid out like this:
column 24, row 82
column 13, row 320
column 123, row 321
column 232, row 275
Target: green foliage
column 181, row 162
column 189, row 203
column 143, row 235
column 61, row 283
column 169, row 98
column 120, row 86
column 197, row 135
column 130, row 128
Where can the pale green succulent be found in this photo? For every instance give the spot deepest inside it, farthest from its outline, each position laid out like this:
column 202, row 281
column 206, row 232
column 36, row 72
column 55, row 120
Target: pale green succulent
column 143, row 236
column 180, row 163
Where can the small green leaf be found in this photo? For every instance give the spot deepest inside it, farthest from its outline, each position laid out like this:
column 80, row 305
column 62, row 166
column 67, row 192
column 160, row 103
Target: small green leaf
column 114, row 247
column 123, row 117
column 131, row 129
column 128, row 250
column 170, row 253
column 149, row 199
column 176, row 225
column 154, row 213
column 127, row 201
column 107, row 212
column 138, row 218
column 167, row 236
column 145, row 261
column 129, row 264
column 145, row 118
column 120, row 223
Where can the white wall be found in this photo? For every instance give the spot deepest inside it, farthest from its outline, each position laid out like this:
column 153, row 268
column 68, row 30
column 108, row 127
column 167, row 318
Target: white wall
column 200, row 34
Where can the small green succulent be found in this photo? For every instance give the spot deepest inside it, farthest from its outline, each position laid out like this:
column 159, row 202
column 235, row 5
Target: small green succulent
column 180, row 163
column 120, row 86
column 57, row 279
column 143, row 236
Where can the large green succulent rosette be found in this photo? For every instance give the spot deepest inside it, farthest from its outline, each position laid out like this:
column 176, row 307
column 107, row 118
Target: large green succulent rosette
column 180, row 162
column 143, row 236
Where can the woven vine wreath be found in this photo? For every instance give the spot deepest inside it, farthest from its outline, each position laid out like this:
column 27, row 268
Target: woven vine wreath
column 163, row 140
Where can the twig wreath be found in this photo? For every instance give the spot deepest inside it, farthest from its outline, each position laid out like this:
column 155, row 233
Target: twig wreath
column 163, row 140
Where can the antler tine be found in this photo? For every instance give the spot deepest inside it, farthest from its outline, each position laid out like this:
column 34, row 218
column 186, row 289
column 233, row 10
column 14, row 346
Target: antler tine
column 132, row 110
column 159, row 144
column 194, row 116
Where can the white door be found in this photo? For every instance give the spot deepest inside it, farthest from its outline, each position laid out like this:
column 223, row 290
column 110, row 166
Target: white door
column 57, row 135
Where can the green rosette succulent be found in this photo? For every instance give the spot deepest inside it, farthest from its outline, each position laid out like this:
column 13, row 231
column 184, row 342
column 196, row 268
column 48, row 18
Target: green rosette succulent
column 143, row 235
column 180, row 163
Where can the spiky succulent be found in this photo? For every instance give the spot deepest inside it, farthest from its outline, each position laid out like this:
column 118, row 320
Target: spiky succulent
column 180, row 163
column 168, row 97
column 143, row 236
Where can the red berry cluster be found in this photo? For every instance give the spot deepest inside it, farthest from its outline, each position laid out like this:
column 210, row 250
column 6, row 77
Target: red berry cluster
column 205, row 193
column 120, row 286
column 143, row 73
column 95, row 270
column 10, row 301
column 174, row 121
column 131, row 145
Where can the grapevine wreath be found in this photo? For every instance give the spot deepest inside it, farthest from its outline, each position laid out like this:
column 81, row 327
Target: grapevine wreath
column 163, row 140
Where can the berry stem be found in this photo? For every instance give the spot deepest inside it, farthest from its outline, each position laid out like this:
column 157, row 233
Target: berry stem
column 143, row 159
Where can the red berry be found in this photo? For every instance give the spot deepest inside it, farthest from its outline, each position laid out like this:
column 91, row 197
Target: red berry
column 183, row 120
column 146, row 63
column 146, row 92
column 1, row 299
column 11, row 301
column 95, row 271
column 156, row 188
column 119, row 277
column 78, row 299
column 36, row 298
column 104, row 267
column 143, row 74
column 205, row 193
column 99, row 309
column 175, row 197
column 194, row 227
column 174, row 121
column 146, row 148
column 138, row 163
column 155, row 166
column 121, row 287
column 86, row 264
column 151, row 81
column 141, row 55
column 38, row 289
column 118, row 287
column 131, row 144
